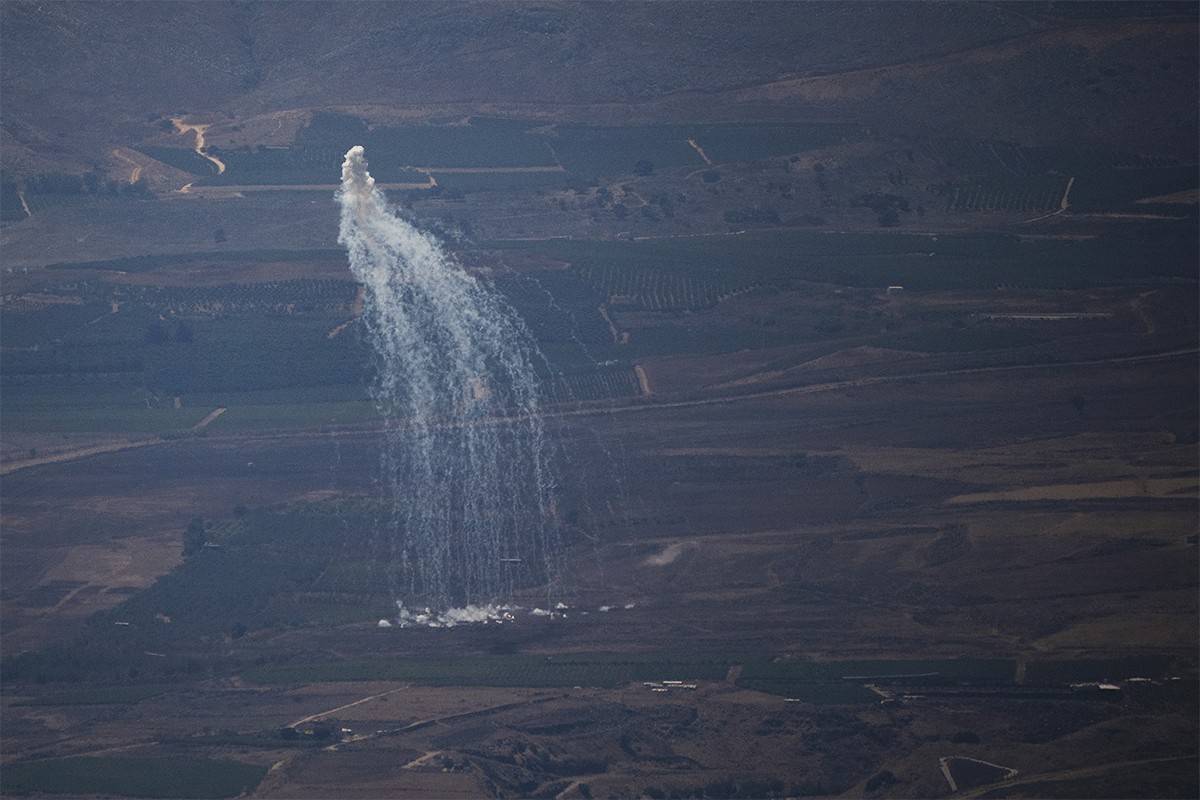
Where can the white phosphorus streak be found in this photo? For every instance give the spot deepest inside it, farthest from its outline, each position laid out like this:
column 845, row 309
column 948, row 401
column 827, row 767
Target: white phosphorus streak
column 466, row 472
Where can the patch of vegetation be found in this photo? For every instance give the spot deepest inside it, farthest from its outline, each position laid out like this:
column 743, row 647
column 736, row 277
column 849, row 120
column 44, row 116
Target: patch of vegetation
column 656, row 289
column 133, row 777
column 1007, row 193
column 601, row 384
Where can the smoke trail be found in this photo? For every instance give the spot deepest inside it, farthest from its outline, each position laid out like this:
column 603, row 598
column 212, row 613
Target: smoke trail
column 465, row 462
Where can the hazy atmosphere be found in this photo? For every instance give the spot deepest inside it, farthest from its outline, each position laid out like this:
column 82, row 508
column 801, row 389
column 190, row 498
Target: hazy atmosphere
column 599, row 399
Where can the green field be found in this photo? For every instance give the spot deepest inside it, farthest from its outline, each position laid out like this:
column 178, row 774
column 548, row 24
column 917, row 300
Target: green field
column 104, row 696
column 295, row 415
column 115, row 420
column 604, row 670
column 132, row 777
column 734, row 142
column 657, row 289
column 916, row 261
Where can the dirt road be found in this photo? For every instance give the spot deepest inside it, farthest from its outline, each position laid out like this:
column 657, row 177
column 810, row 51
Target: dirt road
column 814, row 388
column 72, row 455
column 183, row 127
column 135, row 171
column 333, row 711
column 100, row 449
column 700, row 150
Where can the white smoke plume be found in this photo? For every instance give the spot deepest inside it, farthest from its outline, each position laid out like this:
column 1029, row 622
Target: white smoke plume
column 466, row 467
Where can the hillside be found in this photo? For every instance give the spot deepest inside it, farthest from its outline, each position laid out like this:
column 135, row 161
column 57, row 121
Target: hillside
column 82, row 78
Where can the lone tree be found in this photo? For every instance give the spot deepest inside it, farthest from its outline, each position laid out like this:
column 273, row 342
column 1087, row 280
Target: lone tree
column 193, row 537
